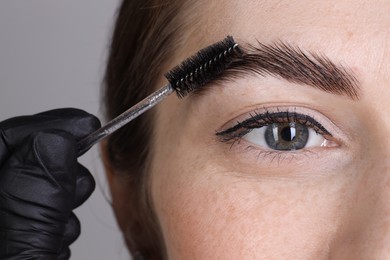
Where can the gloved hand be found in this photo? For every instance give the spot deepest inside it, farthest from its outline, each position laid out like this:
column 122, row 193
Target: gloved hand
column 41, row 183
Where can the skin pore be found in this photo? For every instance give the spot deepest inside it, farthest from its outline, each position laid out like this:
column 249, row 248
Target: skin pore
column 241, row 200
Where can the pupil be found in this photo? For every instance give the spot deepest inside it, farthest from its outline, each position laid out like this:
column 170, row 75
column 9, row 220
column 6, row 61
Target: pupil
column 288, row 133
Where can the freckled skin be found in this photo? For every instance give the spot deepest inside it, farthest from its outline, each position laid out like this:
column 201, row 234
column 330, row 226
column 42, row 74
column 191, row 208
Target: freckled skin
column 214, row 201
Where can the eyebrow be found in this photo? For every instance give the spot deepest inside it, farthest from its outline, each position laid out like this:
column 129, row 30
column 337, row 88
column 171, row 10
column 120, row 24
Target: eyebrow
column 291, row 63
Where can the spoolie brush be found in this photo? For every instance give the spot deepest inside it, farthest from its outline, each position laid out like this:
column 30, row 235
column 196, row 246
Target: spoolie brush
column 191, row 74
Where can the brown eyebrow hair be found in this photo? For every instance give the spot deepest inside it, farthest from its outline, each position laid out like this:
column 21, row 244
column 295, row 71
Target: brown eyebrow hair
column 289, row 62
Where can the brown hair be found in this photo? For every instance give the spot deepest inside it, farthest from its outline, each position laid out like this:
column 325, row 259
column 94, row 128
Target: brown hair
column 145, row 35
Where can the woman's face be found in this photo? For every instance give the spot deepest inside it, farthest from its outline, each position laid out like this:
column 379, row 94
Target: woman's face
column 301, row 168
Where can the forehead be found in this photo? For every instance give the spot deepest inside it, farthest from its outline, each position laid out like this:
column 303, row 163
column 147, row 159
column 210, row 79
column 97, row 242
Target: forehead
column 269, row 17
column 354, row 32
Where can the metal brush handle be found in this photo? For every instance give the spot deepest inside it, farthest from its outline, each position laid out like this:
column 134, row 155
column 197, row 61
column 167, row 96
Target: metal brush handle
column 124, row 118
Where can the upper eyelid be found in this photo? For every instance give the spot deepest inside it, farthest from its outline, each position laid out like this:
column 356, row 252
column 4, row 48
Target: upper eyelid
column 271, row 108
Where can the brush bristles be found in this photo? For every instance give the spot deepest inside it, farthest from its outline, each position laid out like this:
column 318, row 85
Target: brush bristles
column 203, row 67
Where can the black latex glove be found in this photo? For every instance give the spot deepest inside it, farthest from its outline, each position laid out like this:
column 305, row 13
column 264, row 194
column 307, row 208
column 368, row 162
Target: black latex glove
column 41, row 183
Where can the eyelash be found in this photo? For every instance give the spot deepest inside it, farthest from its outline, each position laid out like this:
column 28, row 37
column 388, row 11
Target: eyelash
column 256, row 120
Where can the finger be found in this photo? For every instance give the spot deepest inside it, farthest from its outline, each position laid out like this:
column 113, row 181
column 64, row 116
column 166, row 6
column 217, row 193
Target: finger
column 78, row 122
column 85, row 185
column 72, row 231
column 64, row 255
column 74, row 121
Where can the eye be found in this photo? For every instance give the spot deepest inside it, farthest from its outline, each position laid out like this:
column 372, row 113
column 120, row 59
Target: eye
column 280, row 131
column 285, row 136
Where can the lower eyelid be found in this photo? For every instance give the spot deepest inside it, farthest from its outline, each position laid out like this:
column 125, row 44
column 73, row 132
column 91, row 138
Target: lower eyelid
column 304, row 157
column 276, row 157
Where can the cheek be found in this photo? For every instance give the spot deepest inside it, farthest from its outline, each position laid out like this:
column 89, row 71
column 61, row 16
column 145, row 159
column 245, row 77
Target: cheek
column 206, row 211
column 210, row 206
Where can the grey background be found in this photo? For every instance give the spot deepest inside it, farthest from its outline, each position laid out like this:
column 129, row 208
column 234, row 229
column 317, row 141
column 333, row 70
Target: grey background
column 52, row 55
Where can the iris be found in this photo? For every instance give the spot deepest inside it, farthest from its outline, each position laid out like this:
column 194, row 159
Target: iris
column 286, row 136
